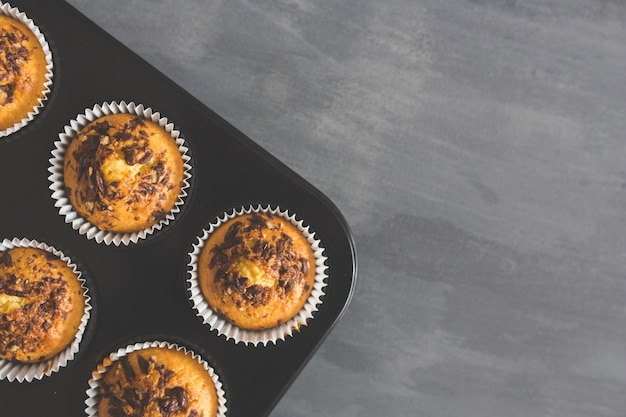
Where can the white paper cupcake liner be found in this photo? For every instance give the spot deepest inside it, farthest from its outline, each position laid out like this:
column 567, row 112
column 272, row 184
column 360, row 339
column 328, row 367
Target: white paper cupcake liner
column 26, row 372
column 7, row 10
column 57, row 186
column 93, row 393
column 246, row 336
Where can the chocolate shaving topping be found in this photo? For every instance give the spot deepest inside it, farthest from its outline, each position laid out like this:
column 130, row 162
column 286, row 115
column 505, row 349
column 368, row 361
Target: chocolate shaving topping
column 15, row 54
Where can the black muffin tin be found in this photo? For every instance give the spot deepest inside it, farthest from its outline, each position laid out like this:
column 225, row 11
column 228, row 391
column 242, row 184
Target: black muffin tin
column 139, row 291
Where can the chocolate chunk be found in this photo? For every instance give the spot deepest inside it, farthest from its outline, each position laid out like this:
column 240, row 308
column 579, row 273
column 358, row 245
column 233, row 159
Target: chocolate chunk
column 218, row 258
column 128, row 369
column 16, row 293
column 101, row 128
column 9, row 90
column 280, row 247
column 148, row 187
column 146, row 157
column 136, row 121
column 166, row 374
column 232, row 232
column 240, row 283
column 181, row 395
column 85, row 153
column 5, row 259
column 131, row 397
column 176, row 399
column 256, row 223
column 148, row 397
column 304, row 265
column 99, row 181
column 168, row 405
column 130, row 154
column 255, row 293
column 220, row 275
column 144, row 365
column 158, row 215
column 117, row 412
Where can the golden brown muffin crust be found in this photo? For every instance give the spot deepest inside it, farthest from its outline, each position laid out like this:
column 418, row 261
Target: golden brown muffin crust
column 22, row 71
column 257, row 270
column 123, row 173
column 41, row 304
column 157, row 382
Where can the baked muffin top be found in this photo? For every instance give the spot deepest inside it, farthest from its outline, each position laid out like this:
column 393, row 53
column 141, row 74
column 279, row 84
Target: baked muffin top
column 123, row 173
column 41, row 304
column 257, row 270
column 22, row 71
column 157, row 382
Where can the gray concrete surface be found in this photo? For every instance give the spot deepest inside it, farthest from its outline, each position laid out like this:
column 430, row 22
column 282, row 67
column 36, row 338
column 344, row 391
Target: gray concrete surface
column 477, row 149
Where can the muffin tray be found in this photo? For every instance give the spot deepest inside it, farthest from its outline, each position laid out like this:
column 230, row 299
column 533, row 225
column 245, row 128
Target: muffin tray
column 139, row 291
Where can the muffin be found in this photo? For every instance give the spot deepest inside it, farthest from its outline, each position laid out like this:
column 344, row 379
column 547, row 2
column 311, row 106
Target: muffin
column 123, row 173
column 23, row 70
column 157, row 382
column 41, row 305
column 257, row 270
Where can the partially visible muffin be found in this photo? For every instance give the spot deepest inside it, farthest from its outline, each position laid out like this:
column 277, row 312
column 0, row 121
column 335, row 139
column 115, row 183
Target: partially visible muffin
column 22, row 71
column 157, row 382
column 123, row 173
column 41, row 304
column 256, row 270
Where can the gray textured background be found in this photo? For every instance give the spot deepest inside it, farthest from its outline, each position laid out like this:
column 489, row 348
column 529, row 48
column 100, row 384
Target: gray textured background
column 477, row 149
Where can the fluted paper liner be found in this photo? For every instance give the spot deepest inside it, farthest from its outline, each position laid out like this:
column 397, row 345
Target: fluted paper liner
column 246, row 336
column 7, row 10
column 26, row 372
column 57, row 186
column 93, row 393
